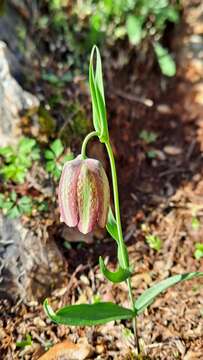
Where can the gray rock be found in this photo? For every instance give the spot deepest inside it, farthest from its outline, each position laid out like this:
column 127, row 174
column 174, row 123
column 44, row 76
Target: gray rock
column 30, row 263
column 13, row 99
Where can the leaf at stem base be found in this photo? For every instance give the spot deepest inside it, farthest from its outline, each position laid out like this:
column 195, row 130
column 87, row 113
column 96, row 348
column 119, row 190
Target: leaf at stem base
column 88, row 314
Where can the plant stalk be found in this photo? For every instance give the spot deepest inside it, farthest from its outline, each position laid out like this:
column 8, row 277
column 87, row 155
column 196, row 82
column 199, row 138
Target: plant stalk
column 118, row 221
column 84, row 144
column 120, row 235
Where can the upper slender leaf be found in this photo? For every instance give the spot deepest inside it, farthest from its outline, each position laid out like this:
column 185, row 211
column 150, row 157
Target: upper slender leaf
column 88, row 314
column 98, row 74
column 150, row 294
column 116, row 276
column 96, row 120
column 97, row 96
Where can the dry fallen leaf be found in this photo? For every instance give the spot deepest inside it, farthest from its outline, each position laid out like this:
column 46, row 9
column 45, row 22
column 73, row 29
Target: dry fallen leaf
column 67, row 351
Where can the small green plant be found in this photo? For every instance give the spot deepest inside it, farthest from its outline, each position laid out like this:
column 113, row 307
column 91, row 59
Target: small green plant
column 55, row 158
column 195, row 223
column 198, row 254
column 84, row 198
column 13, row 206
column 151, row 154
column 149, row 137
column 154, row 242
column 24, row 343
column 17, row 160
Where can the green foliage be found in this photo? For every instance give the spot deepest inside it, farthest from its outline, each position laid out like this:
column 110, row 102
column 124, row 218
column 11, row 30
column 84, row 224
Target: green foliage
column 88, row 314
column 14, row 206
column 154, row 242
column 165, row 60
column 195, row 223
column 24, row 343
column 198, row 254
column 18, row 159
column 148, row 136
column 134, row 29
column 16, row 162
column 151, row 154
column 106, row 21
column 55, row 160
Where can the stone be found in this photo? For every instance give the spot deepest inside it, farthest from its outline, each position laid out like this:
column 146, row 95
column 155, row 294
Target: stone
column 14, row 101
column 30, row 263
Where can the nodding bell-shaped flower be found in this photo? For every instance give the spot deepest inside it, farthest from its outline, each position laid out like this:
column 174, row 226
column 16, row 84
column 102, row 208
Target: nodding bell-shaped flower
column 84, row 194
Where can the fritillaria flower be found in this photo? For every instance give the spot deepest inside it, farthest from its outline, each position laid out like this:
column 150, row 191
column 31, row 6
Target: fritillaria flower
column 84, row 194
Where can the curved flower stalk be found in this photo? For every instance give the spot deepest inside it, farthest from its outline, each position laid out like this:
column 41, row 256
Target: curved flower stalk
column 84, row 194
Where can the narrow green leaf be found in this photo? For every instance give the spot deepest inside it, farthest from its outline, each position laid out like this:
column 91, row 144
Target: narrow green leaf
column 112, row 225
column 88, row 314
column 102, row 115
column 100, row 95
column 115, row 277
column 113, row 231
column 150, row 294
column 97, row 95
column 95, row 110
column 98, row 73
column 165, row 60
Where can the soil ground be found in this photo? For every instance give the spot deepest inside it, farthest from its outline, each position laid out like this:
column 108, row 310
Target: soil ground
column 161, row 192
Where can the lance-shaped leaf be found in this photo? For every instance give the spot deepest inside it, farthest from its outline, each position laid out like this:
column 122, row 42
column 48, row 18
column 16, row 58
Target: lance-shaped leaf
column 114, row 276
column 150, row 294
column 97, row 95
column 95, row 110
column 88, row 314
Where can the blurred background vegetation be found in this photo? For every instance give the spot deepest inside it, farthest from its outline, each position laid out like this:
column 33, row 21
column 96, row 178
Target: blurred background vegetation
column 81, row 24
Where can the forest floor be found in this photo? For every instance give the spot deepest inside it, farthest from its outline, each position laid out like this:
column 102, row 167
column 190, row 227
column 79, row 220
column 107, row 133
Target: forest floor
column 160, row 176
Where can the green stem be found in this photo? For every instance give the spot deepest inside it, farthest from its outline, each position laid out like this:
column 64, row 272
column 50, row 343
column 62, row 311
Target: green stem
column 120, row 233
column 84, row 144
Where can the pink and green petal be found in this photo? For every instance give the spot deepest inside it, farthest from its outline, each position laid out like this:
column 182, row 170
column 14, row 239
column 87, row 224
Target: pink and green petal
column 87, row 199
column 104, row 197
column 67, row 194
